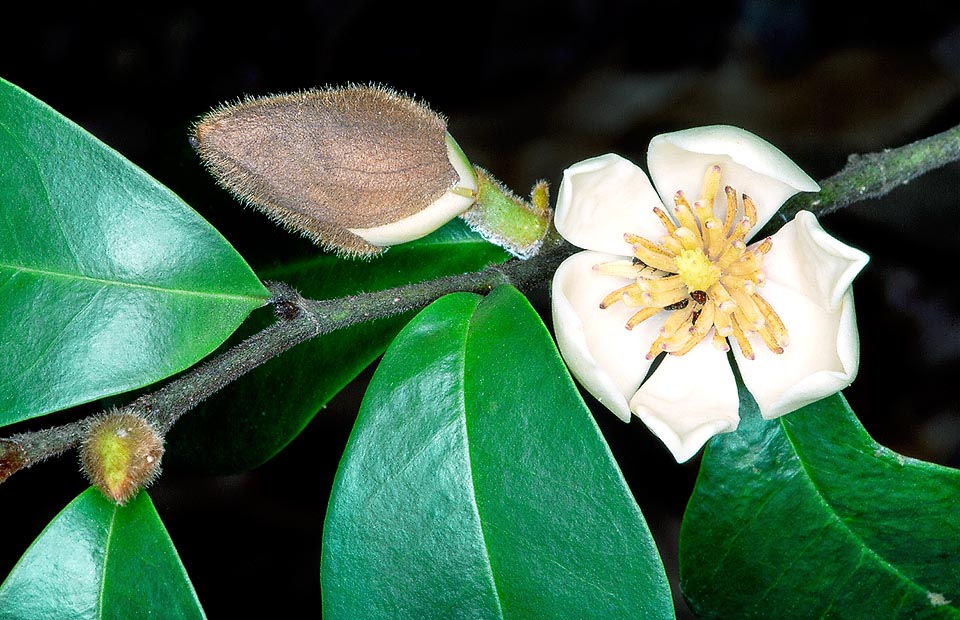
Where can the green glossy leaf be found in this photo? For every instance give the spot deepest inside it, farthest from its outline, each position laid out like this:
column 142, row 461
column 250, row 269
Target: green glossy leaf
column 108, row 281
column 476, row 484
column 807, row 517
column 99, row 561
column 257, row 416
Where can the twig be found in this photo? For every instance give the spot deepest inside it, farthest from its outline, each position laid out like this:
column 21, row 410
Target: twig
column 299, row 319
column 871, row 176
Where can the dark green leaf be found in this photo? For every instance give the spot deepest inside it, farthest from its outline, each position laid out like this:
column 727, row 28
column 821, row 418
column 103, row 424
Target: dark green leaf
column 257, row 416
column 476, row 484
column 807, row 517
column 108, row 281
column 99, row 561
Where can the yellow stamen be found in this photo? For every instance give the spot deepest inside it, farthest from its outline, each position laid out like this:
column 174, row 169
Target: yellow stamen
column 741, row 338
column 731, row 209
column 711, row 185
column 704, row 322
column 721, row 297
column 667, row 283
column 688, row 239
column 672, row 244
column 713, row 235
column 619, row 268
column 746, row 264
column 722, row 323
column 664, row 298
column 641, row 316
column 749, row 210
column 676, row 320
column 777, row 328
column 764, row 246
column 770, row 340
column 685, row 217
column 656, row 348
column 692, row 341
column 741, row 230
column 747, row 311
column 702, row 274
column 677, row 342
column 651, row 254
column 720, row 342
column 665, row 220
column 615, row 296
column 731, row 254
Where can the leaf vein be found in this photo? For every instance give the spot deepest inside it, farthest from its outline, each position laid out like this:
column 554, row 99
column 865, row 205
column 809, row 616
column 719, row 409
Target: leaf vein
column 845, row 527
column 124, row 284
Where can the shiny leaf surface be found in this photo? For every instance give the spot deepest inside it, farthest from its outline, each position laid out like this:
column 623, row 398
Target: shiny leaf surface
column 807, row 517
column 476, row 484
column 108, row 280
column 98, row 561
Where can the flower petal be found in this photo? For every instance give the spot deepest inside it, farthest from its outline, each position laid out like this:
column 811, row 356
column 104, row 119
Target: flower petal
column 822, row 358
column 606, row 358
column 807, row 259
column 750, row 165
column 602, row 198
column 689, row 399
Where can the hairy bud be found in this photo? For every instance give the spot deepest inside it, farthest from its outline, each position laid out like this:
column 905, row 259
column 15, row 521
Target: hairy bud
column 121, row 454
column 353, row 169
column 12, row 458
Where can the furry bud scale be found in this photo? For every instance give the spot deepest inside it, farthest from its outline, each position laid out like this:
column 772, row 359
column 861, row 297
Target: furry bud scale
column 353, row 169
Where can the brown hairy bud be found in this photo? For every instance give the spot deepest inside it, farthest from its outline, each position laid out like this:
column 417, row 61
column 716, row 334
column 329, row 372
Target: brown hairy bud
column 12, row 458
column 121, row 454
column 353, row 169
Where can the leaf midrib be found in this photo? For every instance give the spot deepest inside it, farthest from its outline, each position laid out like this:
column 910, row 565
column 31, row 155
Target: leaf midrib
column 106, row 560
column 126, row 284
column 466, row 436
column 822, row 498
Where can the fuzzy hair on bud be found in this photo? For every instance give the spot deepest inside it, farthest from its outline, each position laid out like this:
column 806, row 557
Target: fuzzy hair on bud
column 333, row 164
column 121, row 454
column 12, row 458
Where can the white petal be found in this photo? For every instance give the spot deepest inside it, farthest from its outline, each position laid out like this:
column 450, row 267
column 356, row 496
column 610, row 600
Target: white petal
column 821, row 359
column 435, row 215
column 807, row 259
column 689, row 399
column 750, row 164
column 605, row 357
column 602, row 198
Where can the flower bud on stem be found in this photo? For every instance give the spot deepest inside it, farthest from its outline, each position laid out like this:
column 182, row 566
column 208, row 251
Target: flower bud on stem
column 353, row 169
column 121, row 454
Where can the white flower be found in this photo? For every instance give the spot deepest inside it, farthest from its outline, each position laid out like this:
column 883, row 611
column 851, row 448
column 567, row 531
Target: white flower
column 680, row 279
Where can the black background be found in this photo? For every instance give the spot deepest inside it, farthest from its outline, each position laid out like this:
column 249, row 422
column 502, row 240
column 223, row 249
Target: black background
column 529, row 89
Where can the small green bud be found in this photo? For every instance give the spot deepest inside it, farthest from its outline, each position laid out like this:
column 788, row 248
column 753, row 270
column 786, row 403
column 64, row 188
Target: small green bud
column 121, row 454
column 353, row 169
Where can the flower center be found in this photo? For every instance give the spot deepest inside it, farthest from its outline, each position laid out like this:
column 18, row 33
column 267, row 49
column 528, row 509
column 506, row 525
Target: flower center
column 702, row 274
column 696, row 270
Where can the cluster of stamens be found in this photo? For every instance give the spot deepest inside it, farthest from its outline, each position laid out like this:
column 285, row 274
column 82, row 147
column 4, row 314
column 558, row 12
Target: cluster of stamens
column 703, row 274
